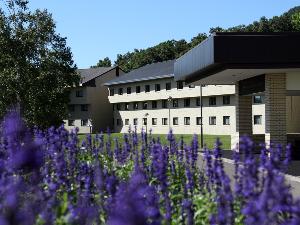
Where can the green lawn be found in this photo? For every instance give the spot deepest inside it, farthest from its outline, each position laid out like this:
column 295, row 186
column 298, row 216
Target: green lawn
column 209, row 140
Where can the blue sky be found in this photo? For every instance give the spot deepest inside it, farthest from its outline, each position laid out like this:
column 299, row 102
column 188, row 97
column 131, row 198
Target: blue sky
column 96, row 28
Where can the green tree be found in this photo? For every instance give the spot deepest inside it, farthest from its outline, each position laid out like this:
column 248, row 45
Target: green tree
column 296, row 21
column 36, row 66
column 106, row 62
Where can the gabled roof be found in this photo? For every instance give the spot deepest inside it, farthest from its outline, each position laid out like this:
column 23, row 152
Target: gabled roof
column 149, row 72
column 91, row 73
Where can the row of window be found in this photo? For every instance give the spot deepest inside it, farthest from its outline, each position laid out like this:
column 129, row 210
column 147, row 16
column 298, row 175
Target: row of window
column 175, row 120
column 84, row 123
column 173, row 102
column 147, row 87
column 83, row 108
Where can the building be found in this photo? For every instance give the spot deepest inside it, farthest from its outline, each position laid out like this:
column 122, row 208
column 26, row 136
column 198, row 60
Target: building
column 150, row 98
column 89, row 108
column 266, row 64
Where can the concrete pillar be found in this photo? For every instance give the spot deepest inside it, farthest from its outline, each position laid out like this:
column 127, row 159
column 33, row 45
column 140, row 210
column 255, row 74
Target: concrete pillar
column 243, row 118
column 275, row 108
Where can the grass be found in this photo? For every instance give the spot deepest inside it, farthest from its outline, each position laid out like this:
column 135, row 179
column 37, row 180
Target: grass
column 209, row 140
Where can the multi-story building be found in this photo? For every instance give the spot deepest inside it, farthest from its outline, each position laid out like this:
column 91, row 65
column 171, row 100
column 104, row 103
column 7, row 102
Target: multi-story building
column 89, row 108
column 149, row 98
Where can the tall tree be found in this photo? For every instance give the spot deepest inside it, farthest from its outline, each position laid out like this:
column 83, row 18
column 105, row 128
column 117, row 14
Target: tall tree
column 36, row 66
column 106, row 62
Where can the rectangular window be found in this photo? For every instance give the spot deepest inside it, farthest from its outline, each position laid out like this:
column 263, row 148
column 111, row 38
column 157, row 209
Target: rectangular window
column 135, row 121
column 187, row 102
column 198, row 120
column 192, row 86
column 79, row 93
column 198, row 102
column 154, row 104
column 179, row 84
column 126, row 106
column 175, row 103
column 135, row 105
column 126, row 122
column 112, row 92
column 226, row 120
column 138, row 89
column 118, row 122
column 157, row 87
column 164, row 104
column 257, row 119
column 144, row 121
column 154, row 121
column 147, row 88
column 71, row 123
column 257, row 99
column 212, row 120
column 84, row 122
column 120, row 91
column 175, row 120
column 84, row 107
column 187, row 120
column 129, row 90
column 226, row 100
column 168, row 86
column 212, row 100
column 71, row 108
column 145, row 105
column 164, row 121
column 118, row 106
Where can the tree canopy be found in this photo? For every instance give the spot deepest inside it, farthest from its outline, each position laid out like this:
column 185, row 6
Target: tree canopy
column 172, row 49
column 106, row 62
column 36, row 66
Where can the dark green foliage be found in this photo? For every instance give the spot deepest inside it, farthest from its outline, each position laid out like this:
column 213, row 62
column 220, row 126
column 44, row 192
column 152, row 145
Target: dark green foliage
column 36, row 66
column 106, row 62
column 289, row 21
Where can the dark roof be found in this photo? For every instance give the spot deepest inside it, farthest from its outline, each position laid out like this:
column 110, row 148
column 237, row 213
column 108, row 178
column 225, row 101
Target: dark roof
column 149, row 72
column 239, row 50
column 89, row 74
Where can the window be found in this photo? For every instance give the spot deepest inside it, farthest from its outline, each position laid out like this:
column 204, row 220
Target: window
column 147, row 88
column 135, row 105
column 129, row 90
column 112, row 92
column 187, row 102
column 118, row 122
column 192, row 86
column 212, row 120
column 175, row 103
column 198, row 102
column 135, row 121
column 118, row 106
column 257, row 119
column 84, row 122
column 126, row 122
column 145, row 105
column 212, row 101
column 226, row 120
column 120, row 91
column 257, row 99
column 138, row 89
column 226, row 100
column 175, row 120
column 126, row 106
column 154, row 104
column 180, row 85
column 187, row 120
column 71, row 123
column 168, row 86
column 84, row 107
column 154, row 121
column 164, row 121
column 157, row 87
column 164, row 104
column 198, row 120
column 145, row 121
column 79, row 93
column 71, row 108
